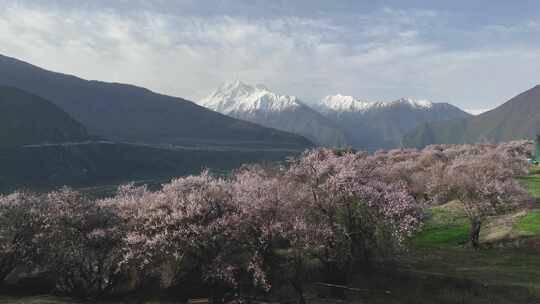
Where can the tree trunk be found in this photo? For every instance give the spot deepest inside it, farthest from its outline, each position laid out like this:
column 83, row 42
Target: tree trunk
column 474, row 236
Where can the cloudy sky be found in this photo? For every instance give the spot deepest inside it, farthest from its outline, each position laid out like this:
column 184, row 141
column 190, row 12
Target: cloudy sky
column 474, row 54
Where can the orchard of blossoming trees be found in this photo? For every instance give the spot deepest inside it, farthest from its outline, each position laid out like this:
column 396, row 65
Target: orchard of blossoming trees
column 333, row 213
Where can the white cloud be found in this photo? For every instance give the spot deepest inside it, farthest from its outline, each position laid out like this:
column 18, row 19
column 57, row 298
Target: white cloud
column 381, row 55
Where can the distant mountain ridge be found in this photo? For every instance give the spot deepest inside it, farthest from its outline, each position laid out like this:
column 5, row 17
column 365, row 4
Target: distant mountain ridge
column 335, row 121
column 29, row 119
column 343, row 103
column 518, row 118
column 373, row 125
column 129, row 113
column 257, row 104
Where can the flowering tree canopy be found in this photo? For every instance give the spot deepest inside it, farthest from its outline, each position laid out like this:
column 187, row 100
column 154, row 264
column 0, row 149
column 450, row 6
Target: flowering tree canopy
column 83, row 243
column 339, row 209
column 483, row 179
column 21, row 219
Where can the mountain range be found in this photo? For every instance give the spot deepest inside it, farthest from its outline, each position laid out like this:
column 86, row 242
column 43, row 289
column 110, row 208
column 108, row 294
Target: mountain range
column 129, row 113
column 373, row 125
column 259, row 105
column 335, row 121
column 58, row 129
column 42, row 147
column 518, row 118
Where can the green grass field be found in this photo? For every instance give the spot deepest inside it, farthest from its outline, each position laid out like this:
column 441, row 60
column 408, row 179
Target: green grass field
column 445, row 226
column 530, row 223
column 534, row 169
column 510, row 263
column 533, row 184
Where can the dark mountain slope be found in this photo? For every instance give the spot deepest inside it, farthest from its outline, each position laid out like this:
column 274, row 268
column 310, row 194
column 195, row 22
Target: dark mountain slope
column 104, row 163
column 518, row 118
column 129, row 113
column 28, row 119
column 394, row 122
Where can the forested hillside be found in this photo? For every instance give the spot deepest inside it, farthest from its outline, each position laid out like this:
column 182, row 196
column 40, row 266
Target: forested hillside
column 29, row 119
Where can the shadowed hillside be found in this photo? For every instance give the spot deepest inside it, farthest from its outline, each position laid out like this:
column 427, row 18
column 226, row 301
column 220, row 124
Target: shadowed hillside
column 129, row 113
column 518, row 118
column 102, row 163
column 29, row 119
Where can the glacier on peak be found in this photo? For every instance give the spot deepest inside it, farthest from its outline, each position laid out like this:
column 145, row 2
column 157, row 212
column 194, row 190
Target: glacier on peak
column 237, row 96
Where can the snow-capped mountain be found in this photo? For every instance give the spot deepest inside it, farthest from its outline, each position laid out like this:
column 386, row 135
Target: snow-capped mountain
column 256, row 103
column 341, row 103
column 336, row 120
column 373, row 125
column 239, row 97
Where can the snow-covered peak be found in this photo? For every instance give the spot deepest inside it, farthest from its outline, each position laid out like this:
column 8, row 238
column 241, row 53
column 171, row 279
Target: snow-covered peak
column 341, row 103
column 235, row 86
column 238, row 97
column 415, row 103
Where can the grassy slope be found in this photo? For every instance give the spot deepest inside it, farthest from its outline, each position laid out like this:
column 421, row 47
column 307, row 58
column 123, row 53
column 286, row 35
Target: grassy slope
column 441, row 249
column 530, row 223
column 448, row 226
